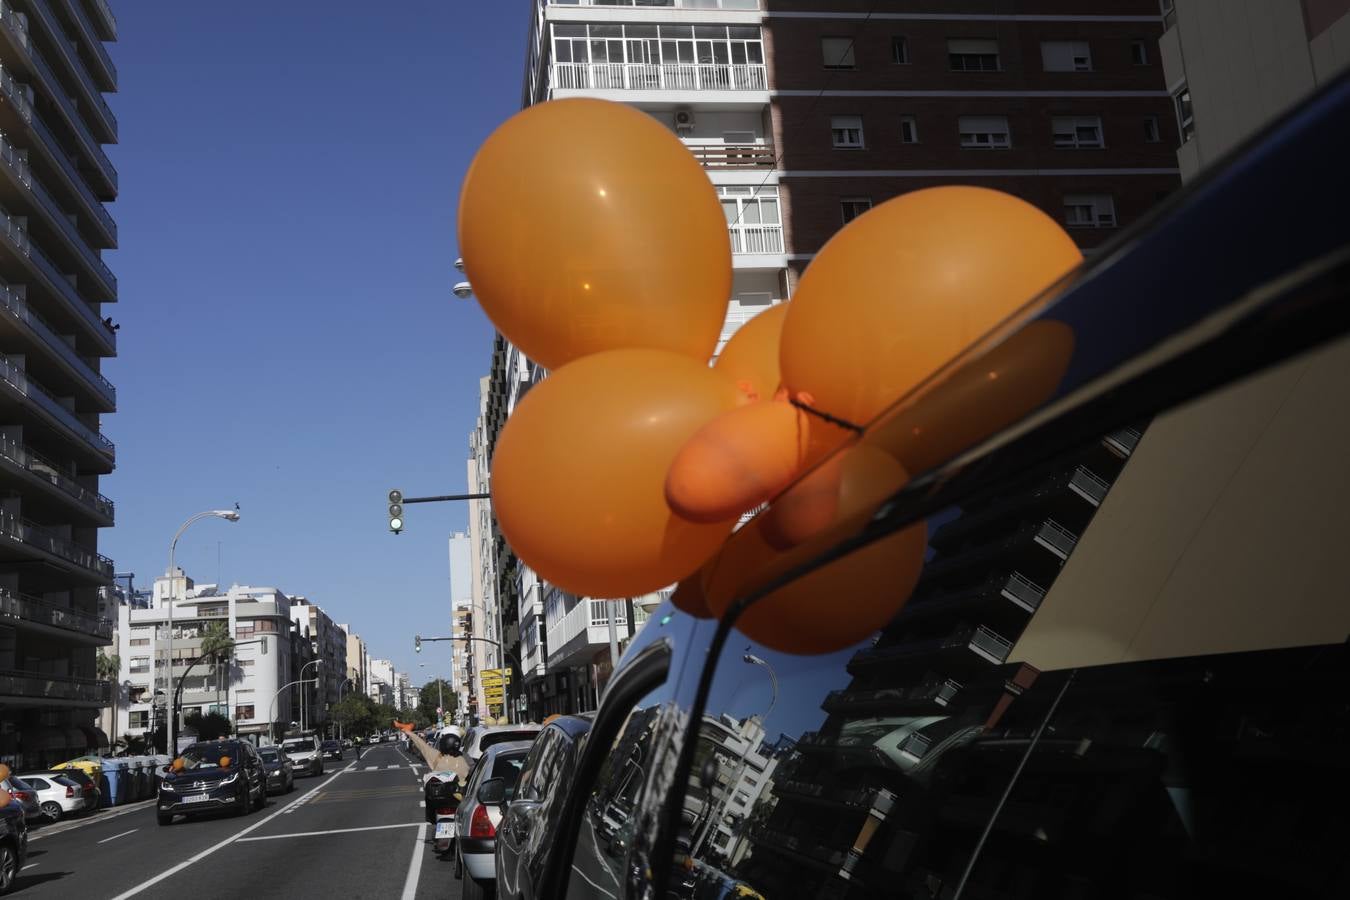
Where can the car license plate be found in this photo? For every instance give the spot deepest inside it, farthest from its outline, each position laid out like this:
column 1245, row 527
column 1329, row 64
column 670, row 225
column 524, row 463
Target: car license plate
column 445, row 829
column 196, row 798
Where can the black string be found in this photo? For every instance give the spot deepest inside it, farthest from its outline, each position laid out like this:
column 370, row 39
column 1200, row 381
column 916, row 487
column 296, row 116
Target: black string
column 821, row 414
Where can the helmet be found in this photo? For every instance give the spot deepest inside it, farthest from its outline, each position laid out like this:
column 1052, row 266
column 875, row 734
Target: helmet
column 449, row 744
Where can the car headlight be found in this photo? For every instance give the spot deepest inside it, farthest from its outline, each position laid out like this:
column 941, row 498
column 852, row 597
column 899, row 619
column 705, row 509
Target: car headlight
column 166, row 785
column 230, row 780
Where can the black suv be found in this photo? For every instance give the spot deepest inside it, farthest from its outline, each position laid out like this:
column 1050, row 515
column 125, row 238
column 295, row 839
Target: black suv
column 213, row 775
column 13, row 844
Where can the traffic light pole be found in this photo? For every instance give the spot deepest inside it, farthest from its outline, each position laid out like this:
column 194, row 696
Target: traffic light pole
column 418, row 641
column 442, row 497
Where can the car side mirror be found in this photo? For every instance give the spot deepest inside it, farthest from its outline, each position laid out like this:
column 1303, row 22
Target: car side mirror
column 492, row 791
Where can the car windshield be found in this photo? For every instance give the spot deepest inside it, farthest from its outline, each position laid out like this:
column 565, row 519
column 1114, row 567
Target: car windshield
column 208, row 755
column 270, row 754
column 329, row 745
column 297, row 745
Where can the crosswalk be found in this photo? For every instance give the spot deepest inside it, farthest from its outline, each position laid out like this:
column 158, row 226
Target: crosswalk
column 356, row 768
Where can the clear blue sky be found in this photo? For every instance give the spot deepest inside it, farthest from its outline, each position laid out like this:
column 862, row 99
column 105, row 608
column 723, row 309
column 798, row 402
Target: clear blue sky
column 289, row 174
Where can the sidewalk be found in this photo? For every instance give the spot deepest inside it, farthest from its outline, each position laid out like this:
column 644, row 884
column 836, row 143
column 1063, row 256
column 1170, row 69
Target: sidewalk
column 101, row 815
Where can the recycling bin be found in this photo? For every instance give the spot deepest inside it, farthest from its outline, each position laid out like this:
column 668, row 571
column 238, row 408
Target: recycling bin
column 112, row 785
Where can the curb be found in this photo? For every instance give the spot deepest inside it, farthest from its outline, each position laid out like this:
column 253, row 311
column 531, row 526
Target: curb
column 102, row 815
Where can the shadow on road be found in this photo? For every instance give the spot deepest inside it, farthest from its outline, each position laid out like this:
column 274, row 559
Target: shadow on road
column 24, row 881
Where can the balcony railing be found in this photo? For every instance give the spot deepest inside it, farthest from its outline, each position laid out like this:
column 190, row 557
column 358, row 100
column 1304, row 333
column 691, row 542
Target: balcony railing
column 663, row 4
column 18, row 379
column 17, row 92
column 15, row 305
column 48, row 471
column 1124, row 441
column 586, row 614
column 1055, row 537
column 31, row 609
column 1023, row 591
column 81, row 130
column 734, row 156
column 73, row 60
column 11, row 20
column 105, row 11
column 38, row 536
column 1089, row 485
column 658, row 77
column 36, row 686
column 756, row 238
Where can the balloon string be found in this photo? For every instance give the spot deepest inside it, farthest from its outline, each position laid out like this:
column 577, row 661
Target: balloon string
column 821, row 414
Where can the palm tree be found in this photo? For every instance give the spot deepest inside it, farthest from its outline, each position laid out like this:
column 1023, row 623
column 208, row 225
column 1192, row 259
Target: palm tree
column 108, row 666
column 219, row 646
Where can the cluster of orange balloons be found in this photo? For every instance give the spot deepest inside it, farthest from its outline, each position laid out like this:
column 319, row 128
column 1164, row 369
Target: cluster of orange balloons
column 597, row 245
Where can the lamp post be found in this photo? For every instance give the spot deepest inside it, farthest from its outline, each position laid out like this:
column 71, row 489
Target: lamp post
column 304, row 699
column 440, row 683
column 342, row 684
column 271, row 707
column 229, row 515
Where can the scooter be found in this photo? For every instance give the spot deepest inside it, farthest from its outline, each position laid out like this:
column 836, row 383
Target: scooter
column 443, row 793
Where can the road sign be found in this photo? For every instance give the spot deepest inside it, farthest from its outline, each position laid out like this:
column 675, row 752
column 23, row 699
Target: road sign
column 493, row 693
column 494, row 676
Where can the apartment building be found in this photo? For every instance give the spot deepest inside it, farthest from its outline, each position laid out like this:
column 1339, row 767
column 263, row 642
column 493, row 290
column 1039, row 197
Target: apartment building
column 356, row 661
column 55, row 180
column 383, row 687
column 328, row 644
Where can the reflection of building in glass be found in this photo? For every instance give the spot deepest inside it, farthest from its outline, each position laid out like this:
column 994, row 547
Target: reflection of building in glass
column 741, row 764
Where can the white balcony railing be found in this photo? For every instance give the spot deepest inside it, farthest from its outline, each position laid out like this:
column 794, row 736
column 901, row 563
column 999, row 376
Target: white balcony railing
column 658, row 77
column 585, row 615
column 756, row 238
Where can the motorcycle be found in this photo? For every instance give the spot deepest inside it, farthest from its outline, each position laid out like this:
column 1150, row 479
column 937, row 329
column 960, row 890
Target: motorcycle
column 443, row 793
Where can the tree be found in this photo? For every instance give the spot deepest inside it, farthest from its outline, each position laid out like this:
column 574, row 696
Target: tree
column 355, row 713
column 209, row 727
column 429, row 697
column 108, row 667
column 216, row 641
column 414, row 715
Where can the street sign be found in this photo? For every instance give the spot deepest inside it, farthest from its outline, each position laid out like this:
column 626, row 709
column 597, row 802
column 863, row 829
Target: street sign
column 493, row 694
column 495, row 676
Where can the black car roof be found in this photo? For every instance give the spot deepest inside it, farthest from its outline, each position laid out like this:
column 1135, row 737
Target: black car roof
column 574, row 727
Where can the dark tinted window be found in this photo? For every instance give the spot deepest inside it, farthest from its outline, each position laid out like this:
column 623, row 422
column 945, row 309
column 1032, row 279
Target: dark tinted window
column 505, row 737
column 507, row 767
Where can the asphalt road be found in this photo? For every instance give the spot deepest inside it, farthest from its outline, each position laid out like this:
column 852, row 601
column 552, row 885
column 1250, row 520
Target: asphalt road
column 357, row 831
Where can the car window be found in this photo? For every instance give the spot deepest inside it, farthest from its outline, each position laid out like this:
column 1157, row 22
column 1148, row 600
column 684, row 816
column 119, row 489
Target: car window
column 37, row 783
column 508, row 768
column 297, row 745
column 505, row 737
column 533, row 781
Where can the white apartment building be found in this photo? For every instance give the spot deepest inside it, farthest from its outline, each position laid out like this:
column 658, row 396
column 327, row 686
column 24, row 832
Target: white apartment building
column 356, row 661
column 328, row 642
column 259, row 619
column 383, row 684
column 484, row 618
column 463, row 564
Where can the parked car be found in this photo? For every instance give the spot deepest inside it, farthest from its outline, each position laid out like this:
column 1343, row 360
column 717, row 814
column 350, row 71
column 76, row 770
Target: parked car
column 13, row 844
column 481, row 737
column 215, row 775
column 490, row 787
column 1112, row 660
column 279, row 768
column 24, row 795
column 57, row 796
column 331, row 750
column 304, row 753
column 530, row 823
column 89, row 788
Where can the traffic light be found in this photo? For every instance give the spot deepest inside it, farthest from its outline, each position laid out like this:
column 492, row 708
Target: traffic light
column 395, row 511
column 417, row 643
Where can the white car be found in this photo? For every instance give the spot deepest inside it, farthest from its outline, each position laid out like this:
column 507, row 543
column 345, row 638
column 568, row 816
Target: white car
column 481, row 737
column 304, row 754
column 57, row 796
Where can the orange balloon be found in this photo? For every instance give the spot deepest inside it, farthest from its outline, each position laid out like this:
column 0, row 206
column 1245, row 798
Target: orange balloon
column 840, row 603
column 981, row 398
column 586, row 226
column 579, row 472
column 224, row 762
column 5, row 796
column 688, row 597
column 750, row 358
column 178, row 764
column 737, row 461
column 4, row 771
column 903, row 289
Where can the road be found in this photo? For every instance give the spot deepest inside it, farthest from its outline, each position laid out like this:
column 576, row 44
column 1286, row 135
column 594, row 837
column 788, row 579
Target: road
column 357, row 831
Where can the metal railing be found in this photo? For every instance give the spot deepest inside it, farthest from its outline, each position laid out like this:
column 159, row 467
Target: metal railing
column 1089, row 484
column 18, row 379
column 659, row 77
column 586, row 614
column 990, row 645
column 662, row 4
column 17, row 92
column 1125, row 440
column 75, row 177
column 35, row 463
column 91, row 144
column 73, row 60
column 1023, row 591
column 19, row 309
column 35, row 535
column 34, row 685
column 92, row 35
column 1056, row 538
column 733, row 156
column 756, row 238
column 17, row 26
column 33, row 609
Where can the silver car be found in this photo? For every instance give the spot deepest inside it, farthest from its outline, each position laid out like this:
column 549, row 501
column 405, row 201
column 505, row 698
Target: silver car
column 304, row 754
column 490, row 788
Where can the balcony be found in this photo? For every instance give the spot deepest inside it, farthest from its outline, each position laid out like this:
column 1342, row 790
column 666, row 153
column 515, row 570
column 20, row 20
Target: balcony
column 34, row 535
column 18, row 310
column 1023, row 591
column 733, row 156
column 954, row 648
column 102, row 28
column 584, row 626
column 1056, row 538
column 658, row 77
column 47, row 273
column 107, row 21
column 1089, row 485
column 40, row 612
column 106, row 170
column 756, row 239
column 928, row 698
column 1123, row 442
column 93, row 95
column 19, row 382
column 663, row 4
column 33, row 688
column 31, row 461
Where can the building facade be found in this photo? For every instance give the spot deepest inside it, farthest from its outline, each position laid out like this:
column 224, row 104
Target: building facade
column 328, row 644
column 383, row 686
column 54, row 334
column 356, row 661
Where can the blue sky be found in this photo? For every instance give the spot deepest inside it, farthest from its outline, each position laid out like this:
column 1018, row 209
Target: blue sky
column 289, row 174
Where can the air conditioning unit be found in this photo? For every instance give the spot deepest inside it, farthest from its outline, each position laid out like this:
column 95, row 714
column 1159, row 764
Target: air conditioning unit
column 684, row 120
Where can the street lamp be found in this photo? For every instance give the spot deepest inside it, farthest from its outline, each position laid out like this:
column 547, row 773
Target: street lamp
column 229, row 515
column 304, row 699
column 271, row 707
column 440, row 699
column 342, row 684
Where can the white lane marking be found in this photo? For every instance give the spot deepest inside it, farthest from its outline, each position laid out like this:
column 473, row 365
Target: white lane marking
column 116, row 836
column 577, row 869
column 275, row 837
column 371, row 768
column 214, row 847
column 393, row 767
column 101, row 816
column 415, row 865
column 422, row 804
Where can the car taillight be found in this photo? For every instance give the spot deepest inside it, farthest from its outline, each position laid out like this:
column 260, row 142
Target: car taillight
column 70, row 791
column 23, row 795
column 445, row 811
column 480, row 826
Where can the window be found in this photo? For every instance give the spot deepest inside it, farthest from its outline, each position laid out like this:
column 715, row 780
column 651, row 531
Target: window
column 967, row 55
column 1151, row 133
column 635, row 56
column 1185, row 115
column 1139, row 52
column 140, row 642
column 900, row 50
column 139, row 719
column 243, row 712
column 1077, row 132
column 838, row 52
column 244, row 663
column 753, row 218
column 853, row 207
column 1089, row 211
column 909, row 130
column 846, row 132
column 984, row 132
column 1066, row 56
